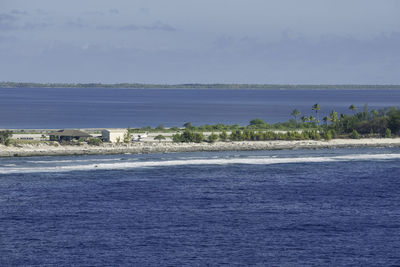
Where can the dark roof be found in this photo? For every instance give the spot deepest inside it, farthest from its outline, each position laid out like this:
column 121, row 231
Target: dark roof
column 70, row 133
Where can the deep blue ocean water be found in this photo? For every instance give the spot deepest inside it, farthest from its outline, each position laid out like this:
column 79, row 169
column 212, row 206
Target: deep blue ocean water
column 332, row 207
column 98, row 107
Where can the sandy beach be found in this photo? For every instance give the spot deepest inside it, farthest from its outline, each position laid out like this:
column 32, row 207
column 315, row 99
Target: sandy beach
column 45, row 149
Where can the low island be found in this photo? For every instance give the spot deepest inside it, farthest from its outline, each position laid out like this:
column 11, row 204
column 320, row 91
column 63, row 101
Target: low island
column 375, row 128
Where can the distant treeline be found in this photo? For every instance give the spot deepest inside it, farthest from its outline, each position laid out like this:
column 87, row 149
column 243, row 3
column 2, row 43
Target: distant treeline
column 376, row 123
column 196, row 86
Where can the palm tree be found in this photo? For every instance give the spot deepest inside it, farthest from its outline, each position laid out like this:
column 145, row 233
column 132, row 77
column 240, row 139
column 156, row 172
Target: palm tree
column 326, row 119
column 374, row 113
column 295, row 113
column 333, row 116
column 316, row 108
column 304, row 119
column 353, row 108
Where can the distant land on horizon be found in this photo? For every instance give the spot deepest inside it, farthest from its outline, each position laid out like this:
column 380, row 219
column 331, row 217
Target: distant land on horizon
column 196, row 86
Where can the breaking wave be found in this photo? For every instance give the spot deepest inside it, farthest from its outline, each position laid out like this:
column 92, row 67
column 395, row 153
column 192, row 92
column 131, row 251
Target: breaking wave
column 102, row 164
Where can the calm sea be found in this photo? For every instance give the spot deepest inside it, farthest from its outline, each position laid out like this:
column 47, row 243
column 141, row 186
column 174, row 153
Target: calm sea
column 333, row 207
column 97, row 108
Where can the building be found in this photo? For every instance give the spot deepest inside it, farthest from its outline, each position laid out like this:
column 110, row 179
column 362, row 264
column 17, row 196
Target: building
column 114, row 135
column 31, row 137
column 68, row 135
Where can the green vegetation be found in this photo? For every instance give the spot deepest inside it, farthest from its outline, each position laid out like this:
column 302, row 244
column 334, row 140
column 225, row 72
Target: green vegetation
column 188, row 137
column 249, row 135
column 94, row 141
column 159, row 137
column 5, row 137
column 295, row 113
column 212, row 138
column 388, row 133
column 316, row 108
column 354, row 135
column 363, row 123
column 375, row 123
column 127, row 136
column 256, row 124
column 223, row 136
column 353, row 108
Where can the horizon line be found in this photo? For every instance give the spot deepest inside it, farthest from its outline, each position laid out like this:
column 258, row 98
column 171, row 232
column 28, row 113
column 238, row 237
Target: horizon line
column 195, row 84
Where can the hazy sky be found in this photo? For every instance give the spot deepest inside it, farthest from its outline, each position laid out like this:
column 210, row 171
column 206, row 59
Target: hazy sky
column 187, row 41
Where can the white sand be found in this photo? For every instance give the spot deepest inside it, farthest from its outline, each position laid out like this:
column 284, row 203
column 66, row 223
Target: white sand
column 43, row 149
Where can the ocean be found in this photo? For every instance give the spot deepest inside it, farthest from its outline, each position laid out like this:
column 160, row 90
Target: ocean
column 57, row 108
column 333, row 207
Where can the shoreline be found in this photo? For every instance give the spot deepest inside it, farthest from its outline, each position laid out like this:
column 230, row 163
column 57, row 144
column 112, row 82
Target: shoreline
column 188, row 86
column 30, row 150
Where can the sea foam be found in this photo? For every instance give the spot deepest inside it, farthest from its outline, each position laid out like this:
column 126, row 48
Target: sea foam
column 100, row 164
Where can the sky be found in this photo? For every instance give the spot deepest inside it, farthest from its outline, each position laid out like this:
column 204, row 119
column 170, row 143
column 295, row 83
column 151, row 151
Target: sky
column 207, row 41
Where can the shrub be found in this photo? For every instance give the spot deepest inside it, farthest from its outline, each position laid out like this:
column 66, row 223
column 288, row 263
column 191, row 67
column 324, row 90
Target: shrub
column 311, row 134
column 223, row 136
column 212, row 138
column 176, row 138
column 159, row 137
column 160, row 127
column 5, row 137
column 328, row 135
column 198, row 137
column 188, row 136
column 334, row 134
column 127, row 136
column 236, row 136
column 95, row 142
column 188, row 125
column 394, row 121
column 354, row 135
column 388, row 133
column 257, row 124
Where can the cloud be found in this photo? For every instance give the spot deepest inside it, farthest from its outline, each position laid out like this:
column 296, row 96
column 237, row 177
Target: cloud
column 8, row 22
column 41, row 12
column 76, row 23
column 7, row 38
column 35, row 26
column 93, row 13
column 144, row 10
column 157, row 26
column 4, row 18
column 329, row 52
column 114, row 11
column 18, row 12
column 130, row 27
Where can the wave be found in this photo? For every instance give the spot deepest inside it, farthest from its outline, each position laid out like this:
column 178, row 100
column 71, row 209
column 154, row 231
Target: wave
column 72, row 160
column 131, row 164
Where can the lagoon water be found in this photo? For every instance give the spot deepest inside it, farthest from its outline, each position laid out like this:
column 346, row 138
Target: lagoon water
column 98, row 107
column 332, row 207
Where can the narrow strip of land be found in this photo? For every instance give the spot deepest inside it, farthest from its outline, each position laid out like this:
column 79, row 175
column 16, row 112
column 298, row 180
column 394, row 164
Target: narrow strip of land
column 196, row 86
column 41, row 149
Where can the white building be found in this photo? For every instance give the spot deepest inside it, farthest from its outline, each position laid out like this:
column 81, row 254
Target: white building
column 114, row 135
column 36, row 137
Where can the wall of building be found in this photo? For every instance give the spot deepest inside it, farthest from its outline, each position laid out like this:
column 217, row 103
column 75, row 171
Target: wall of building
column 113, row 136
